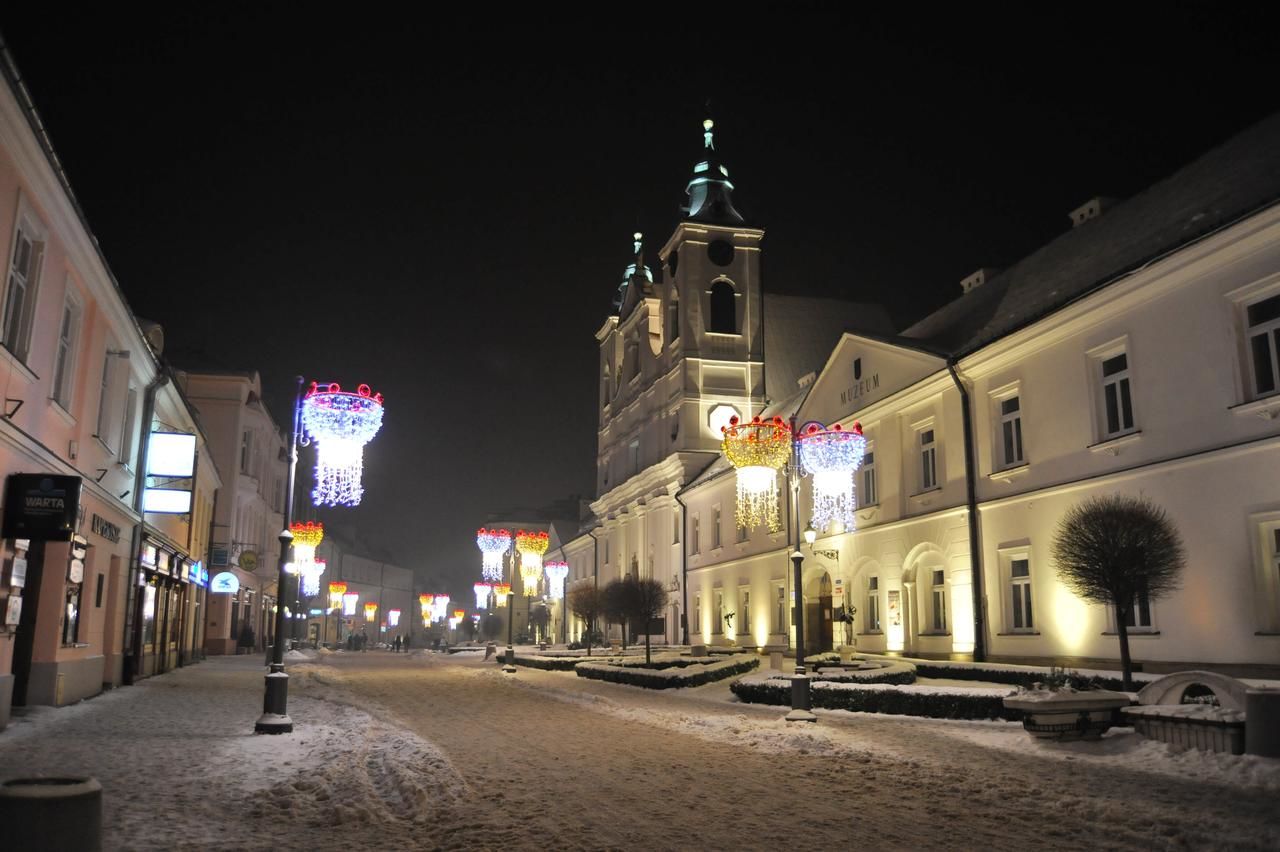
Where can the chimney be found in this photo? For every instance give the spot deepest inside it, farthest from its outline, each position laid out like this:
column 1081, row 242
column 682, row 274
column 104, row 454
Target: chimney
column 1091, row 209
column 978, row 278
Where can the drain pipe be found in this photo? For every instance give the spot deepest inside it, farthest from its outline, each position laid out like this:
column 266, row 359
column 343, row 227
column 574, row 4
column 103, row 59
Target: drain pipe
column 133, row 670
column 684, row 569
column 971, row 487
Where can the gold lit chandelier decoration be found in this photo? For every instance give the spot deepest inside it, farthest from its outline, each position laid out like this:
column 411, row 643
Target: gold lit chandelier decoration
column 531, row 545
column 758, row 450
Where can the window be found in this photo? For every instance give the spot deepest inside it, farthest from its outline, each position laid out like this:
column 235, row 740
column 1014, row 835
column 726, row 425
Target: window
column 694, row 535
column 873, row 604
column 928, row 461
column 635, row 456
column 939, row 601
column 20, row 291
column 606, row 551
column 127, row 442
column 744, row 611
column 697, row 613
column 71, row 615
column 780, row 608
column 870, row 495
column 64, row 360
column 673, row 316
column 715, row 530
column 717, row 612
column 1011, row 432
column 742, row 533
column 1263, row 319
column 633, row 361
column 246, row 451
column 1139, row 614
column 1117, row 398
column 1020, row 617
column 723, row 310
column 675, row 527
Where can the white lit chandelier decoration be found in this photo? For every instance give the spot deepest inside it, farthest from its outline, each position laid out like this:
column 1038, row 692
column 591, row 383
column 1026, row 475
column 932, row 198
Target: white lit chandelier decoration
column 440, row 607
column 482, row 591
column 493, row 545
column 306, row 538
column 556, row 574
column 758, row 450
column 340, row 423
column 832, row 456
column 531, row 545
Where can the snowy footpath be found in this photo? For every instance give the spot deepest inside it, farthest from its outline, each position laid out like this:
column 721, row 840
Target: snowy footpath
column 425, row 751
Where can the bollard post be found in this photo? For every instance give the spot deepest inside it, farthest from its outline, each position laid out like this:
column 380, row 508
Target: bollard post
column 52, row 813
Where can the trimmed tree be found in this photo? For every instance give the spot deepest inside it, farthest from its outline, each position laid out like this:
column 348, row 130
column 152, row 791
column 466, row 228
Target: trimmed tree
column 585, row 602
column 1114, row 549
column 619, row 603
column 648, row 599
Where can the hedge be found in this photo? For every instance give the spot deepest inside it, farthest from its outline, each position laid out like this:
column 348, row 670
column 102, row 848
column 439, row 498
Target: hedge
column 1024, row 679
column 653, row 677
column 555, row 664
column 880, row 699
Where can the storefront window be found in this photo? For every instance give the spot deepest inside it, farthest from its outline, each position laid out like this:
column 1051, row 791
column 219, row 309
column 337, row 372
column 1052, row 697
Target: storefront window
column 71, row 615
column 149, row 616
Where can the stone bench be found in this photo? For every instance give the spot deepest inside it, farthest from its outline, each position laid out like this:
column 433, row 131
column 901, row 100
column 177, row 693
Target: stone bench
column 1163, row 714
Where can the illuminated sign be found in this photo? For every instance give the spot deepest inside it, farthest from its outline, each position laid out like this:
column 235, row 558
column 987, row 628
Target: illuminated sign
column 224, row 583
column 166, row 501
column 171, row 454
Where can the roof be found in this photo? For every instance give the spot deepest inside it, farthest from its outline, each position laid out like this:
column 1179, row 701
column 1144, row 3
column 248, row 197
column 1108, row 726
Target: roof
column 1237, row 179
column 801, row 331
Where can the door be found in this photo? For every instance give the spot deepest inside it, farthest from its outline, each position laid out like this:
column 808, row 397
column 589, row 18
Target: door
column 25, row 639
column 826, row 614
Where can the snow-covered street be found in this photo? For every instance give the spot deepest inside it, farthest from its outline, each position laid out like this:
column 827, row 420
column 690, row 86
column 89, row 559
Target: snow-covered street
column 427, row 751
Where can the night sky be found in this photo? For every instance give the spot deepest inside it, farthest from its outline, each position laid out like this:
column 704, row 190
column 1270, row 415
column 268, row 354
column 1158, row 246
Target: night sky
column 442, row 208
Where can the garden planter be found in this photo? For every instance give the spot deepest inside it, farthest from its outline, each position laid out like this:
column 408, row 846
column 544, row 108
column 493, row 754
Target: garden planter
column 1066, row 714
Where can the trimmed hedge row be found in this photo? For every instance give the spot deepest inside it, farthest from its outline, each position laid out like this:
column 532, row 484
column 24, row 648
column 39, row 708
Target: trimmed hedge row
column 899, row 677
column 1016, row 678
column 646, row 677
column 896, row 702
column 557, row 664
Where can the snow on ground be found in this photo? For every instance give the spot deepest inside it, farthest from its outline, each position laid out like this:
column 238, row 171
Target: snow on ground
column 181, row 767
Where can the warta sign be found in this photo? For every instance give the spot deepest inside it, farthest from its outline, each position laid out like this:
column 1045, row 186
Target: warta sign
column 41, row 507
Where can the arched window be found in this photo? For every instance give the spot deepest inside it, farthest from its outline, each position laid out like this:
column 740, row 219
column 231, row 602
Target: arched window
column 723, row 311
column 673, row 315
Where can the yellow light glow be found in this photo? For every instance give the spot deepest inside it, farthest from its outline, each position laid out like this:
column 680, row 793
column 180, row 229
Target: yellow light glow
column 1070, row 617
column 308, row 534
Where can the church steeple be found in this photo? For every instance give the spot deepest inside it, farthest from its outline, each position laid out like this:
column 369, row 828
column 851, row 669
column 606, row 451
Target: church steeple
column 710, row 191
column 637, row 272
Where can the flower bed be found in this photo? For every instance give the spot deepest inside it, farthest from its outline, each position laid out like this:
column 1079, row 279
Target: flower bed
column 939, row 702
column 668, row 672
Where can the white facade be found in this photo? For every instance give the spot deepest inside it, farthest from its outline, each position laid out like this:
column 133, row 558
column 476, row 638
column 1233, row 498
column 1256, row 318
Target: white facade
column 1160, row 378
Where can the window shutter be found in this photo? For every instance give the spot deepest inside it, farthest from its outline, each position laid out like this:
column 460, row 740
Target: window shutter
column 113, row 417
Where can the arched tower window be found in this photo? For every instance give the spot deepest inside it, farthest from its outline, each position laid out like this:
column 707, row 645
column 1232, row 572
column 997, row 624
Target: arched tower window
column 673, row 314
column 723, row 313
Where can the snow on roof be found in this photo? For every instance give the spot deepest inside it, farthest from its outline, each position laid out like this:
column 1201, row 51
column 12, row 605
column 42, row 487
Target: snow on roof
column 1235, row 180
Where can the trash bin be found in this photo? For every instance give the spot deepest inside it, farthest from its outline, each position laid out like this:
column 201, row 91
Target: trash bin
column 63, row 813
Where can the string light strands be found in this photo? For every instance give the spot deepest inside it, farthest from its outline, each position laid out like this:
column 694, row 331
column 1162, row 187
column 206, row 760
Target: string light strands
column 556, row 574
column 340, row 423
column 500, row 592
column 370, row 611
column 758, row 450
column 832, row 457
column 493, row 545
column 425, row 602
column 336, row 592
column 531, row 545
column 306, row 538
column 441, row 607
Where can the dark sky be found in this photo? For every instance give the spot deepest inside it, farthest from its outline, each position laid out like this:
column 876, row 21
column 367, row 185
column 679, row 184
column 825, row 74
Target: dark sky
column 442, row 208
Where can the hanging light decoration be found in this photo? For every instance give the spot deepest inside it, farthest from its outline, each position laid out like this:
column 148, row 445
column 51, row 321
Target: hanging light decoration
column 349, row 604
column 556, row 574
column 832, row 456
column 370, row 611
column 306, row 538
column 758, row 450
column 500, row 592
column 340, row 423
column 441, row 607
column 531, row 545
column 493, row 545
column 424, row 603
column 459, row 614
column 311, row 577
column 482, row 591
column 336, row 591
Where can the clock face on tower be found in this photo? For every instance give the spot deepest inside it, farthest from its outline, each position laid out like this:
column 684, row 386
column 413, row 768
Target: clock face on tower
column 720, row 252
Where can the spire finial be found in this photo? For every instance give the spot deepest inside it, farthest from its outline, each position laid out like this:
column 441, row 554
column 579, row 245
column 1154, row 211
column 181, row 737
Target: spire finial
column 706, row 134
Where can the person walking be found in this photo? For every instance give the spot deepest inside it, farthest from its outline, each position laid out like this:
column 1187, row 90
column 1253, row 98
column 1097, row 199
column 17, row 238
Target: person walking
column 396, row 647
column 408, row 639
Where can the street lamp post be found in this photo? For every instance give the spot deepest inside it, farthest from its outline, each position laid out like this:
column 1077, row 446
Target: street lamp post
column 800, row 700
column 275, row 712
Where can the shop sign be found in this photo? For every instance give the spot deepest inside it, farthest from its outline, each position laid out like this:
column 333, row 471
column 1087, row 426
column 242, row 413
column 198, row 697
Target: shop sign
column 101, row 526
column 166, row 501
column 895, row 608
column 218, row 556
column 162, row 562
column 198, row 575
column 75, row 565
column 171, row 454
column 39, row 507
column 148, row 556
column 225, row 583
column 249, row 560
column 317, row 612
column 13, row 612
column 18, row 573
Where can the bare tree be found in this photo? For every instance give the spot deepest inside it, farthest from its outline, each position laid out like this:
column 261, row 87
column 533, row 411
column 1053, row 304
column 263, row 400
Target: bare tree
column 649, row 599
column 619, row 603
column 585, row 601
column 1114, row 549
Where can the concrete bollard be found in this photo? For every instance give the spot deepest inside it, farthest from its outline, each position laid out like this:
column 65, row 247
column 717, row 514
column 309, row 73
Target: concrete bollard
column 697, row 650
column 1262, row 722
column 52, row 813
column 775, row 660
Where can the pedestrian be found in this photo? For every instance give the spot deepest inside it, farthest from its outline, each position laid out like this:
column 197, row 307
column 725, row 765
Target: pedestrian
column 408, row 639
column 364, row 641
column 397, row 644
